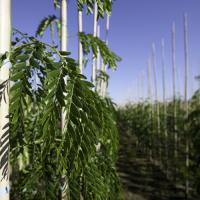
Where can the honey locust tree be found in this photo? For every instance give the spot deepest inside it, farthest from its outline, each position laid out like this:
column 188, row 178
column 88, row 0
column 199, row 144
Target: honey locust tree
column 44, row 81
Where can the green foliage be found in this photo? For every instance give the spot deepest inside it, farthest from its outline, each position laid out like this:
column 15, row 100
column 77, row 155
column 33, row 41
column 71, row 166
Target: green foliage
column 139, row 120
column 101, row 75
column 194, row 130
column 56, row 3
column 104, row 6
column 94, row 44
column 49, row 21
column 47, row 160
column 45, row 80
column 3, row 90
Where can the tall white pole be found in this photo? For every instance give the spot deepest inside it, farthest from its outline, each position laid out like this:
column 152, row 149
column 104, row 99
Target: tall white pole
column 98, row 63
column 164, row 82
column 142, row 86
column 138, row 89
column 63, row 41
column 174, row 90
column 174, row 58
column 107, row 27
column 64, row 36
column 156, row 95
column 149, row 81
column 105, row 83
column 164, row 101
column 154, row 70
column 186, row 102
column 80, row 52
column 95, row 35
column 99, row 55
column 5, row 45
column 80, row 47
column 151, row 106
column 63, row 47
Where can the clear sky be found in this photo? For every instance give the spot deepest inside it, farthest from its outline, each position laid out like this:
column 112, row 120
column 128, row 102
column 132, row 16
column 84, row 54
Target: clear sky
column 135, row 24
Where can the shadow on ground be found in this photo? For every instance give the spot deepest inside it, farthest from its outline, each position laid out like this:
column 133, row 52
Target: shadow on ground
column 142, row 180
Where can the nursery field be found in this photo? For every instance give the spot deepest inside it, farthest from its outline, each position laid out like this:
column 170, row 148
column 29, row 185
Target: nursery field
column 148, row 165
column 66, row 131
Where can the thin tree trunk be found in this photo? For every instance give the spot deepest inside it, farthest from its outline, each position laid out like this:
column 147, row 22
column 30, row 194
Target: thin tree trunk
column 80, row 59
column 63, row 47
column 156, row 97
column 80, row 47
column 98, row 63
column 151, row 107
column 186, row 103
column 142, row 87
column 174, row 94
column 95, row 35
column 5, row 45
column 104, row 67
column 164, row 104
column 63, row 41
column 64, row 36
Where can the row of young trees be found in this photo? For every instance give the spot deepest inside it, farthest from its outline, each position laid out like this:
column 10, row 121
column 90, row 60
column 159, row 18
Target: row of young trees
column 139, row 120
column 168, row 130
column 58, row 131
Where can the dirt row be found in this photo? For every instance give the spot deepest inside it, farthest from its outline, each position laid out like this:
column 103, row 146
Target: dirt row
column 141, row 179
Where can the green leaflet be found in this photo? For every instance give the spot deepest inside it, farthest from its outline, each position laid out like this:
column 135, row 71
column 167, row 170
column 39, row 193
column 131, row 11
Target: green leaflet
column 36, row 130
column 49, row 21
column 104, row 6
column 94, row 43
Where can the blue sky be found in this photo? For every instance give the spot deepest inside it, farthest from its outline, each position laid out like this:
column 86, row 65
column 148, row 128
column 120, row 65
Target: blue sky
column 135, row 25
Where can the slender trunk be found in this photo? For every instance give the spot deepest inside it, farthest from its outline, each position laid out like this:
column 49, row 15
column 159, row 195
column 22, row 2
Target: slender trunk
column 98, row 63
column 186, row 103
column 151, row 109
column 156, row 98
column 98, row 56
column 138, row 89
column 174, row 95
column 63, row 41
column 164, row 104
column 104, row 67
column 64, row 36
column 80, row 47
column 5, row 45
column 63, row 47
column 95, row 35
column 142, row 87
column 80, row 60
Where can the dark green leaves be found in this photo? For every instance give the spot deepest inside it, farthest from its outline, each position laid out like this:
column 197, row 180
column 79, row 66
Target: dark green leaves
column 56, row 3
column 46, row 82
column 4, row 153
column 94, row 44
column 49, row 21
column 3, row 90
column 3, row 58
column 104, row 6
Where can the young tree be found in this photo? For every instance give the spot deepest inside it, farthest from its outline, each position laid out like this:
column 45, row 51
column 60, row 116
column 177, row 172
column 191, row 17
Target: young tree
column 57, row 150
column 174, row 94
column 104, row 67
column 64, row 38
column 157, row 107
column 164, row 102
column 63, row 47
column 95, row 15
column 151, row 106
column 5, row 46
column 80, row 47
column 98, row 64
column 187, row 151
